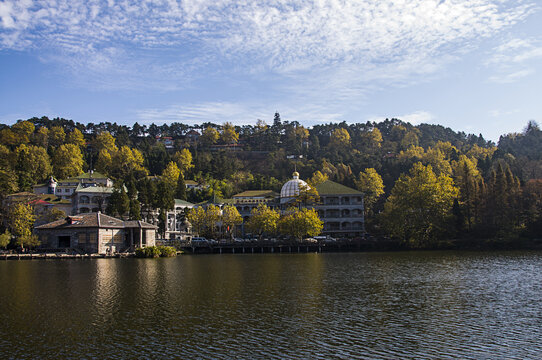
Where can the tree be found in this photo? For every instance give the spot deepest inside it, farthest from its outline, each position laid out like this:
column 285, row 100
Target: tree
column 32, row 165
column 105, row 141
column 21, row 221
column 307, row 196
column 41, row 137
column 418, row 211
column 276, row 120
column 317, row 178
column 299, row 223
column 162, row 222
column 183, row 159
column 164, row 197
column 76, row 138
column 209, row 136
column 118, row 203
column 5, row 239
column 67, row 161
column 212, row 217
column 373, row 139
column 56, row 136
column 370, row 183
column 180, row 191
column 263, row 220
column 52, row 214
column 230, row 218
column 467, row 176
column 229, row 135
column 23, row 129
column 196, row 218
column 170, row 176
column 340, row 138
column 126, row 162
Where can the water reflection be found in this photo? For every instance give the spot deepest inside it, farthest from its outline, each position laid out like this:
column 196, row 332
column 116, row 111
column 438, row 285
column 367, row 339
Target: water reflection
column 391, row 305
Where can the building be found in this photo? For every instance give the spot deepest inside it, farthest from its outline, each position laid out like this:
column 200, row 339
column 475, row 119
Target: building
column 341, row 209
column 248, row 200
column 87, row 192
column 178, row 228
column 96, row 233
column 42, row 204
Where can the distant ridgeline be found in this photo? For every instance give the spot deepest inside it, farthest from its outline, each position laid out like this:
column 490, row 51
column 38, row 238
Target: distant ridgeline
column 424, row 185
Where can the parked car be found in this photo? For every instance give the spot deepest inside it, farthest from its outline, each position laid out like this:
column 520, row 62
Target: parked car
column 238, row 241
column 310, row 240
column 326, row 239
column 199, row 241
column 212, row 242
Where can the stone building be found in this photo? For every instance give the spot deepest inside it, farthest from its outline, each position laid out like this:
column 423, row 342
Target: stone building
column 87, row 192
column 341, row 209
column 96, row 233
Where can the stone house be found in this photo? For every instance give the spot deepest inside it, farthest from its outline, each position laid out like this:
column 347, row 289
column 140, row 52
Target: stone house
column 96, row 233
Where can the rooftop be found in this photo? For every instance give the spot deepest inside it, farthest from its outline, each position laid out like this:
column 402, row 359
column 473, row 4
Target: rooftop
column 256, row 193
column 329, row 187
column 179, row 202
column 95, row 220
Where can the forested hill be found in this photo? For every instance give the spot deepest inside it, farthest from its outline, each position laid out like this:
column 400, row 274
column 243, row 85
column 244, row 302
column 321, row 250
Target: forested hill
column 376, row 158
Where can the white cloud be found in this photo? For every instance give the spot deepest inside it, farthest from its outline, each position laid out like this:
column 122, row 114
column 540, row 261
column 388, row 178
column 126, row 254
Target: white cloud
column 415, row 118
column 514, row 59
column 238, row 113
column 386, row 40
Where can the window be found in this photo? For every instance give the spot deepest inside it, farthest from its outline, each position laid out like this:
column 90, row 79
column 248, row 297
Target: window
column 92, row 238
column 82, row 238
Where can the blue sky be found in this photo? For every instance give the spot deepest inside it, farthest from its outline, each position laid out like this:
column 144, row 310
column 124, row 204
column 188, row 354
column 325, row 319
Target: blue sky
column 472, row 65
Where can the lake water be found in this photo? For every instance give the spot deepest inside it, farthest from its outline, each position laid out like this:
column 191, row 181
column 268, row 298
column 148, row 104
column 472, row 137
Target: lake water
column 345, row 305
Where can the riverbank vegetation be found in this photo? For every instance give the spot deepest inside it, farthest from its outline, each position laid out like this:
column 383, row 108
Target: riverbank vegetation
column 155, row 252
column 423, row 184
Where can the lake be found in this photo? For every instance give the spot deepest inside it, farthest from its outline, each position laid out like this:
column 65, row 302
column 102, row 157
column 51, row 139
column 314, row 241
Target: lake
column 328, row 305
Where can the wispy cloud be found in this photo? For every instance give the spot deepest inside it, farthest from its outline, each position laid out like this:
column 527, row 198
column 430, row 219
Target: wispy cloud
column 119, row 43
column 415, row 118
column 238, row 113
column 513, row 59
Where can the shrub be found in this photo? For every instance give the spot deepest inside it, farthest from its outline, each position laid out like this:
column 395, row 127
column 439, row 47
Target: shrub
column 155, row 251
column 167, row 251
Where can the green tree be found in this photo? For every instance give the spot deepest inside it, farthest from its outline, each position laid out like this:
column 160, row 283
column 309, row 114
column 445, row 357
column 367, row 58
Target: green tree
column 370, row 183
column 180, row 191
column 50, row 215
column 300, row 223
column 33, row 165
column 5, row 239
column 170, row 175
column 467, row 177
column 76, row 138
column 229, row 135
column 67, row 161
column 127, row 162
column 183, row 159
column 41, row 137
column 212, row 217
column 105, row 141
column 21, row 222
column 209, row 137
column 57, row 135
column 24, row 130
column 418, row 210
column 317, row 178
column 231, row 218
column 263, row 220
column 118, row 203
column 196, row 218
column 340, row 138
